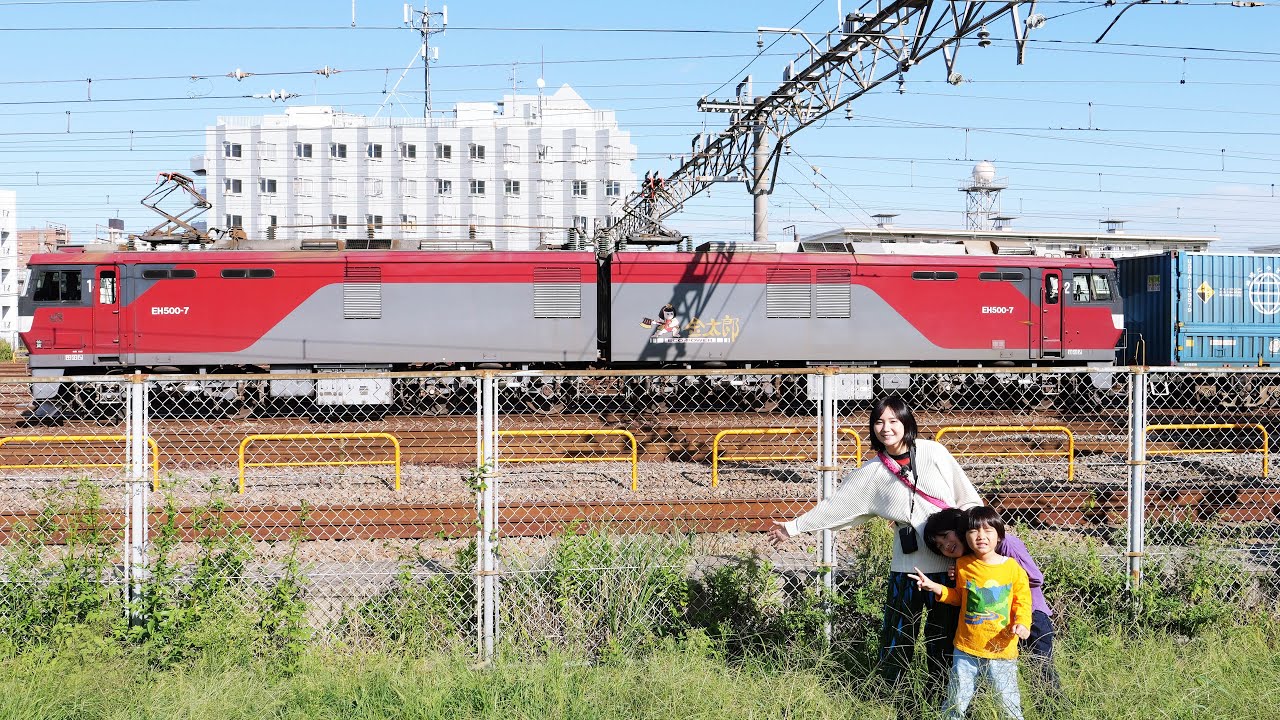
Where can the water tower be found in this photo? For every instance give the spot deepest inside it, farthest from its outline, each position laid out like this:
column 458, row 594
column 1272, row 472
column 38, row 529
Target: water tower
column 982, row 197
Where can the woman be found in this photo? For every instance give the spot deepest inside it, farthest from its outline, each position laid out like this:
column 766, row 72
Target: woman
column 908, row 480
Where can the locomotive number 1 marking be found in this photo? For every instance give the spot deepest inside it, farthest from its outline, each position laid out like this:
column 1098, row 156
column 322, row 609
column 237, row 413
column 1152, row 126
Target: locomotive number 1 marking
column 170, row 310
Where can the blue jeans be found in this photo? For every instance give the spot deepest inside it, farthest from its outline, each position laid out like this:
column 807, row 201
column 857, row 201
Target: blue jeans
column 965, row 671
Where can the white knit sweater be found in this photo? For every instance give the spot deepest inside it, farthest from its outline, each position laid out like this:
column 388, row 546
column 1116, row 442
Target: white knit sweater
column 873, row 491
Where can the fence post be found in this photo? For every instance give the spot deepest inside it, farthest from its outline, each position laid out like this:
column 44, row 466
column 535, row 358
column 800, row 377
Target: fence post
column 1137, row 473
column 487, row 505
column 827, row 454
column 137, row 484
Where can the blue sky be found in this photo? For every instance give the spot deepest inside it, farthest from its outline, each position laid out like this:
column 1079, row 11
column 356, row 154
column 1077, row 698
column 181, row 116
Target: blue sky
column 1170, row 123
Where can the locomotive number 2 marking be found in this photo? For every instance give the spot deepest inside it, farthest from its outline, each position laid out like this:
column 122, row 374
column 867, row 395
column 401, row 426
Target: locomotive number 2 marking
column 997, row 309
column 170, row 310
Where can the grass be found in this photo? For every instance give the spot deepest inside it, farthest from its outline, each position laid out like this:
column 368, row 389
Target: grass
column 1229, row 673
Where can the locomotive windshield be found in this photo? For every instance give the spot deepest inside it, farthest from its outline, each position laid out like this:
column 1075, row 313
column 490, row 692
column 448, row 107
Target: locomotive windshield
column 57, row 286
column 1090, row 287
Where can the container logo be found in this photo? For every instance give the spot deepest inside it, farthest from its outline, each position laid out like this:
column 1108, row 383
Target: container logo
column 1264, row 293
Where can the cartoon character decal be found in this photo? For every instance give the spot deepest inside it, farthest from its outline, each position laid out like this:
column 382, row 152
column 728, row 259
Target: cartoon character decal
column 666, row 324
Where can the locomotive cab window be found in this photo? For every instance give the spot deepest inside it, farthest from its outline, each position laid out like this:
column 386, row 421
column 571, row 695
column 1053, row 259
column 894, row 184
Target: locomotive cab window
column 107, row 288
column 58, row 286
column 1090, row 287
column 168, row 273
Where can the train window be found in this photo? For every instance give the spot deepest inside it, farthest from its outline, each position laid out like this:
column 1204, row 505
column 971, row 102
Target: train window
column 1101, row 287
column 1002, row 276
column 166, row 273
column 1080, row 288
column 1051, row 289
column 57, row 286
column 248, row 273
column 935, row 275
column 107, row 289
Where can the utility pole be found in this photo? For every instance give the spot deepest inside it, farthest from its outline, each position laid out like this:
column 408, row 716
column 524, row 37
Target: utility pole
column 427, row 29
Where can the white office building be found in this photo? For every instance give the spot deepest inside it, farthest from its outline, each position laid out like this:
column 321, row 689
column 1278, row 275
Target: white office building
column 518, row 173
column 9, row 267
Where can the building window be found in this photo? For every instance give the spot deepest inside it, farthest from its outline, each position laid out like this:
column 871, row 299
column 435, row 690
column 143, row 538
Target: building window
column 612, row 188
column 408, row 188
column 304, row 223
column 374, row 220
column 234, row 221
column 408, row 151
column 409, row 222
column 444, row 187
column 266, row 151
column 267, row 185
column 512, row 187
column 232, row 186
column 302, row 151
column 444, row 152
column 511, row 153
column 580, row 222
column 373, row 187
column 579, row 153
column 544, row 153
column 477, row 187
column 546, row 189
column 338, row 151
column 338, row 222
column 231, row 150
column 579, row 188
column 338, row 186
column 613, row 154
column 374, row 151
column 477, row 151
column 444, row 225
column 302, row 186
column 273, row 221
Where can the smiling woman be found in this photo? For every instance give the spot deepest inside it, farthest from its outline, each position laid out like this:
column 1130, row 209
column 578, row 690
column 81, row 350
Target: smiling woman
column 907, row 481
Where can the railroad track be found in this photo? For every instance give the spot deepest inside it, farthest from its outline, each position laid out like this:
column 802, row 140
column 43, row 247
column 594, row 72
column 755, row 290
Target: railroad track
column 1079, row 510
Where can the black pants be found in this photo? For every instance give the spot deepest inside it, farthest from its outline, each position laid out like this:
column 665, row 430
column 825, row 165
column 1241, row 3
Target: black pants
column 1037, row 653
column 906, row 609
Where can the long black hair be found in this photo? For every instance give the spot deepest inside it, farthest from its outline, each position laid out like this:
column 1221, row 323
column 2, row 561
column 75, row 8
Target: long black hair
column 900, row 410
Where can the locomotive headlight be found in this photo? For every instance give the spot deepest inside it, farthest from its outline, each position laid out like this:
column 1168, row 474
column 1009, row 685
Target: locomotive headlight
column 1118, row 320
column 24, row 323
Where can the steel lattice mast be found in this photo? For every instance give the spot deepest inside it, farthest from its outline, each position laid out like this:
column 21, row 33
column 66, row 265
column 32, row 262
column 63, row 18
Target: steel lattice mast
column 880, row 41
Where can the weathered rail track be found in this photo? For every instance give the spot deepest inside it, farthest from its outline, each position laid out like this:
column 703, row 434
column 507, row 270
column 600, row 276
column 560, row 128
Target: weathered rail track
column 1065, row 510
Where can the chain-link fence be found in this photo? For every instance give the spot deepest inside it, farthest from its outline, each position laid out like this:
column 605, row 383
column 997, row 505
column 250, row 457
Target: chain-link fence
column 594, row 511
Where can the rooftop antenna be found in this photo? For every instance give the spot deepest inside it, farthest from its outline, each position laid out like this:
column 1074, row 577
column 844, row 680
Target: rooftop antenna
column 424, row 19
column 542, row 82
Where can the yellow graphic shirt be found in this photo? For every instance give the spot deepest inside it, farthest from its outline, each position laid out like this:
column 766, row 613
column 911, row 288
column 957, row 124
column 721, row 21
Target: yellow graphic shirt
column 992, row 597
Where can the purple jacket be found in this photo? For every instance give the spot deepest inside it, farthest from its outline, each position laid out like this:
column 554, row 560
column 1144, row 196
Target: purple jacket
column 1012, row 547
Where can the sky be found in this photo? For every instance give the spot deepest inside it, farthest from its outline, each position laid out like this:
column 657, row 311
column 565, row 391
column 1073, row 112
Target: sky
column 1169, row 123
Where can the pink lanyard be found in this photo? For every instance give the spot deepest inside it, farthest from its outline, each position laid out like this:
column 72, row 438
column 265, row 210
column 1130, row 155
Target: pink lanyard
column 901, row 474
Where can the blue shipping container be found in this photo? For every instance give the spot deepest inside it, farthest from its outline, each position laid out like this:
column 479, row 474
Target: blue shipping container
column 1200, row 309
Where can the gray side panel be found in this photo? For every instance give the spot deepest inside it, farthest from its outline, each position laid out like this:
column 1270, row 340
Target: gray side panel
column 733, row 327
column 430, row 323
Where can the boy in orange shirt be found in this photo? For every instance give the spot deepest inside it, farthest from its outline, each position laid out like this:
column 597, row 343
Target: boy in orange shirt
column 995, row 599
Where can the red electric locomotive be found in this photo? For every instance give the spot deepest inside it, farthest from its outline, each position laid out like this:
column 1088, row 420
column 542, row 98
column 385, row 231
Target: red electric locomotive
column 334, row 312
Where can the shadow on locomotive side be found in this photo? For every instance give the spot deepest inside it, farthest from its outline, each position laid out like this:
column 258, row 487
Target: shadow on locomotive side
column 342, row 312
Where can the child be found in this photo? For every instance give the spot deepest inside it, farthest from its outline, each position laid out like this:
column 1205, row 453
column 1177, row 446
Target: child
column 995, row 599
column 942, row 535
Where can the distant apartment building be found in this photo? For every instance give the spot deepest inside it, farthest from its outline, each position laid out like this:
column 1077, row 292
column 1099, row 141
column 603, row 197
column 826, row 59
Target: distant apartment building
column 38, row 240
column 9, row 267
column 517, row 173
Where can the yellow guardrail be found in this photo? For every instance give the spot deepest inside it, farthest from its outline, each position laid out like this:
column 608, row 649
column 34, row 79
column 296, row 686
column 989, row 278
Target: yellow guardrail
column 716, row 457
column 1265, row 449
column 36, row 439
column 1069, row 453
column 318, row 463
column 634, row 458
